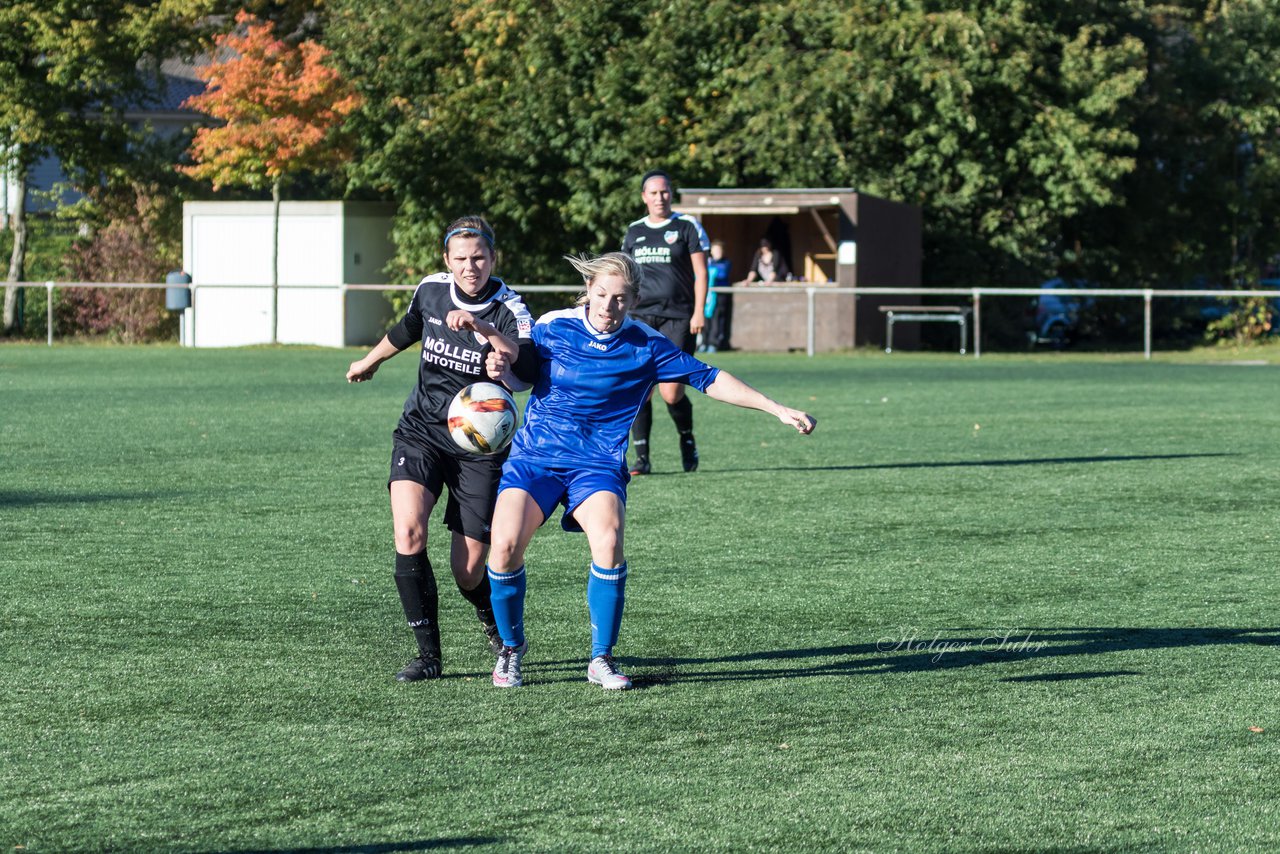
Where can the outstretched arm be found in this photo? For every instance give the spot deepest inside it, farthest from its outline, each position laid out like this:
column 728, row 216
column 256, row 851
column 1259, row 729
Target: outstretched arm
column 730, row 389
column 364, row 369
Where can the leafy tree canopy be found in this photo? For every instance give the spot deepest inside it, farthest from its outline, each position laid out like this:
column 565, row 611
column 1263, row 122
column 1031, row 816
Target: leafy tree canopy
column 278, row 105
column 68, row 70
column 1120, row 140
column 1003, row 119
column 1202, row 204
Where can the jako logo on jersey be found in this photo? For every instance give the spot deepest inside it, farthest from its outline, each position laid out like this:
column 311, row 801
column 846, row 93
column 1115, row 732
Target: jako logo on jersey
column 597, row 345
column 437, row 321
column 671, row 236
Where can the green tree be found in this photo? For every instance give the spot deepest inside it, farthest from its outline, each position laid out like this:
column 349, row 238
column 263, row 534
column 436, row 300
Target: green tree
column 1204, row 199
column 67, row 73
column 1003, row 120
column 469, row 107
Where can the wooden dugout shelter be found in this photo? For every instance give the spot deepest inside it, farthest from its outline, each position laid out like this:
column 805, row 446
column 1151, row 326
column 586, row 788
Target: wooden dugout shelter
column 829, row 237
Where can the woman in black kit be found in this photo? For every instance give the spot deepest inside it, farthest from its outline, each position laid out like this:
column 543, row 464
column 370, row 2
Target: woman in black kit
column 457, row 317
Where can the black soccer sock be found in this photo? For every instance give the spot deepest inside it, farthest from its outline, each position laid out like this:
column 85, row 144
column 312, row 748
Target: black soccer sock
column 682, row 413
column 640, row 429
column 479, row 597
column 416, row 583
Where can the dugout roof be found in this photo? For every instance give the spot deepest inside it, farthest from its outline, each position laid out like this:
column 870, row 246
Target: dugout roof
column 701, row 201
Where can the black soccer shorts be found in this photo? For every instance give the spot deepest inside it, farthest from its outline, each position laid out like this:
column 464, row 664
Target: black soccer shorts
column 675, row 329
column 472, row 483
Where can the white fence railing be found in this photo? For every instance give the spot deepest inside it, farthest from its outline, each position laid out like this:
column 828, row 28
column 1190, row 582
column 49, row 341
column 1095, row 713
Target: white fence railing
column 976, row 295
column 811, row 292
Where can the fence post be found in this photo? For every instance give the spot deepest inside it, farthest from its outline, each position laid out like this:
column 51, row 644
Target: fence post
column 48, row 286
column 809, row 292
column 977, row 323
column 1146, row 323
column 342, row 301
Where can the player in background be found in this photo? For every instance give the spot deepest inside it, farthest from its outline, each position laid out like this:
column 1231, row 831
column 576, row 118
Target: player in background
column 671, row 249
column 597, row 366
column 457, row 317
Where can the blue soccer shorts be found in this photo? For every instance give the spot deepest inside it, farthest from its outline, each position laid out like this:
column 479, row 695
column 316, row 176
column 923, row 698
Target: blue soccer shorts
column 549, row 486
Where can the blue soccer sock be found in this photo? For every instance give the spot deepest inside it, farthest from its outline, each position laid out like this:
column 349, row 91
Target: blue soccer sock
column 606, row 590
column 506, row 592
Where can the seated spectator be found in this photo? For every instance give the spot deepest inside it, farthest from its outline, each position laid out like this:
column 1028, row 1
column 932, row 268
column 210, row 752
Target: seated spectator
column 768, row 265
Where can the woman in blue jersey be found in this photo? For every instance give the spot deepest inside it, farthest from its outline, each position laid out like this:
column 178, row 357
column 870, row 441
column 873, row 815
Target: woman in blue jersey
column 455, row 318
column 597, row 367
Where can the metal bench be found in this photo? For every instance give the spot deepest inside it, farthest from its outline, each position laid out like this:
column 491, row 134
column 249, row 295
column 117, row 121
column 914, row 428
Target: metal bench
column 924, row 314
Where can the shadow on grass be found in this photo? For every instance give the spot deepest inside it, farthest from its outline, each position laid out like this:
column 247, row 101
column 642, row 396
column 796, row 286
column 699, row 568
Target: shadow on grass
column 1070, row 677
column 915, row 650
column 380, row 848
column 37, row 499
column 1035, row 461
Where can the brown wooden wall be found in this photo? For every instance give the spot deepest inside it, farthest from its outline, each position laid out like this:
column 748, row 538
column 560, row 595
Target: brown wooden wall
column 887, row 235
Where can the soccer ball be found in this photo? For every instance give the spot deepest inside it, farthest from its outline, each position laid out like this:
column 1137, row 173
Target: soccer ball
column 482, row 418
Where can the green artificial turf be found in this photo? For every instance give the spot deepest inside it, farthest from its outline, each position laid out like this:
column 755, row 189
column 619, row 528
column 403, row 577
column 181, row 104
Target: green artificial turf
column 1008, row 604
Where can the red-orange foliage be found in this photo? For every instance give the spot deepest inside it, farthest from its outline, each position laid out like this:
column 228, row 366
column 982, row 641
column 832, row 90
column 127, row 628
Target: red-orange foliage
column 278, row 103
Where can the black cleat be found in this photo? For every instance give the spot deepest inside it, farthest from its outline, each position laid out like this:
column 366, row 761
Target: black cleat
column 495, row 639
column 640, row 466
column 489, row 626
column 421, row 668
column 688, row 453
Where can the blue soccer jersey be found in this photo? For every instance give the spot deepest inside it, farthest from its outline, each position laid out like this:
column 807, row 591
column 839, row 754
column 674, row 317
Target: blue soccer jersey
column 590, row 386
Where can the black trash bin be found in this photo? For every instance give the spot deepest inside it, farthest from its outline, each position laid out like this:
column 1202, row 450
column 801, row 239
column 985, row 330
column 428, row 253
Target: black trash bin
column 177, row 299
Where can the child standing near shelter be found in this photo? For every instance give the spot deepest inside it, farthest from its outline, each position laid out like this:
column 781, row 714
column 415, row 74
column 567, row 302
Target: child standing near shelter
column 719, row 305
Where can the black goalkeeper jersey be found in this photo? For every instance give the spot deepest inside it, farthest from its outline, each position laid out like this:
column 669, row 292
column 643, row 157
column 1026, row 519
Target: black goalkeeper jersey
column 451, row 360
column 664, row 253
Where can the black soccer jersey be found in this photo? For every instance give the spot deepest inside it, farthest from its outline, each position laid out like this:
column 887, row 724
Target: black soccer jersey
column 664, row 253
column 451, row 360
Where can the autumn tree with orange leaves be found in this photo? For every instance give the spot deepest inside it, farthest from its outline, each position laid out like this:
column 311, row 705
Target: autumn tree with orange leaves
column 281, row 108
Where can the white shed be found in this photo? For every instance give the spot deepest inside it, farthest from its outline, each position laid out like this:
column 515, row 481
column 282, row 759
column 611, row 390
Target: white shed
column 324, row 246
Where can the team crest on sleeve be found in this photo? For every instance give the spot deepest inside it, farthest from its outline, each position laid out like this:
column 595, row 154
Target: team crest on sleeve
column 519, row 310
column 671, row 236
